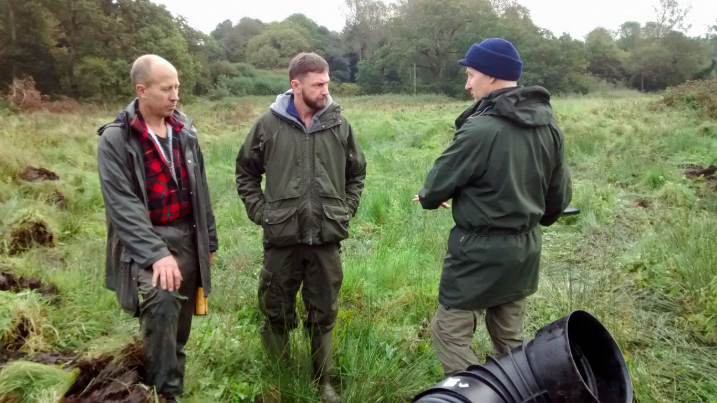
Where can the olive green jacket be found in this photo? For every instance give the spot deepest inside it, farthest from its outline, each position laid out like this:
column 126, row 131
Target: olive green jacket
column 314, row 176
column 132, row 242
column 505, row 171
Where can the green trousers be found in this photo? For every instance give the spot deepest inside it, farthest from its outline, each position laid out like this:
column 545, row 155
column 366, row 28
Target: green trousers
column 316, row 270
column 166, row 317
column 453, row 329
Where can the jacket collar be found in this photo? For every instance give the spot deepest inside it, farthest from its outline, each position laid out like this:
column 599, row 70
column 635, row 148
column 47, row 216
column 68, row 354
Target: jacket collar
column 481, row 105
column 136, row 121
column 321, row 119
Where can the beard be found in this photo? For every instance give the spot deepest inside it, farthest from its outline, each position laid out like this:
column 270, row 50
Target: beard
column 315, row 104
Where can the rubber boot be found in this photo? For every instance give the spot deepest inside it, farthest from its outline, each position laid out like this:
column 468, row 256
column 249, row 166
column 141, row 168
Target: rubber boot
column 322, row 356
column 276, row 345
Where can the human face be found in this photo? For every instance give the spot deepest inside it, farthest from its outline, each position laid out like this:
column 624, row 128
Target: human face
column 314, row 90
column 478, row 84
column 161, row 94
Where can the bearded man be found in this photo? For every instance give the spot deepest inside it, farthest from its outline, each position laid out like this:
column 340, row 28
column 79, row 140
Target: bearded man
column 315, row 173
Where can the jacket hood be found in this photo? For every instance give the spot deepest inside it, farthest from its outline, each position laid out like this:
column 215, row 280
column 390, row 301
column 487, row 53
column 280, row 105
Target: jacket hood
column 282, row 102
column 527, row 106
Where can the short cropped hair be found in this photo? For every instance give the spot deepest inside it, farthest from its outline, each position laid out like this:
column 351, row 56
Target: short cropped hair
column 141, row 72
column 305, row 63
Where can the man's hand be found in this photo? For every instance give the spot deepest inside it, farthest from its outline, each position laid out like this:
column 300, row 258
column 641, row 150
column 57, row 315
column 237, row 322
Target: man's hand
column 444, row 204
column 211, row 258
column 167, row 272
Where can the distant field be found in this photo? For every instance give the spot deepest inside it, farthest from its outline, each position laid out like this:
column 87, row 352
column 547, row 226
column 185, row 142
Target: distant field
column 640, row 257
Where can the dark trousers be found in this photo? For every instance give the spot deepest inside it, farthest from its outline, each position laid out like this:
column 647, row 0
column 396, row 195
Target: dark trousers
column 317, row 270
column 166, row 317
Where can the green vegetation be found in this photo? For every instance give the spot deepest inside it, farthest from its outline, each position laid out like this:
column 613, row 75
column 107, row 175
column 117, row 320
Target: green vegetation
column 639, row 257
column 29, row 382
column 83, row 49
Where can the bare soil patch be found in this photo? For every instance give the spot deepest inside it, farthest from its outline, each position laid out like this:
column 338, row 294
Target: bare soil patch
column 111, row 379
column 39, row 174
column 697, row 171
column 29, row 234
column 11, row 282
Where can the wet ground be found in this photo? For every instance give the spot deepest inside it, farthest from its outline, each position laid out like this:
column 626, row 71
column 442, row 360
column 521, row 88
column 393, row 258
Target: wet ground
column 108, row 378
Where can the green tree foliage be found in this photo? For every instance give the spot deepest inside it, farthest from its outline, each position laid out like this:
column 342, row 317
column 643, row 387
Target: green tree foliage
column 84, row 48
column 365, row 26
column 430, row 35
column 278, row 44
column 369, row 78
column 605, row 59
column 629, row 36
column 668, row 61
column 26, row 44
column 234, row 39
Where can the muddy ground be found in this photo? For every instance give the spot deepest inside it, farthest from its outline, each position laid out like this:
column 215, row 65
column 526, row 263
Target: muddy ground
column 108, row 378
column 697, row 171
column 32, row 174
column 11, row 282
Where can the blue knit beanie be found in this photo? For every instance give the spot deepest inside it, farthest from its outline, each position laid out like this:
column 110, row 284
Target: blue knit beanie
column 494, row 57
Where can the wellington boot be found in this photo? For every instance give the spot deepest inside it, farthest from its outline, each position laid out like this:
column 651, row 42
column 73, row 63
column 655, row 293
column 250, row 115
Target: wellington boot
column 276, row 345
column 322, row 356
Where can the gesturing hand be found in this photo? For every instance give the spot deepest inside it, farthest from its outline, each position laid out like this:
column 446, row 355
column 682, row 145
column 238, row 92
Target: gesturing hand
column 444, row 204
column 167, row 272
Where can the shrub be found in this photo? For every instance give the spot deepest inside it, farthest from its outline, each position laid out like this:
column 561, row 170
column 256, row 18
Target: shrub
column 270, row 84
column 245, row 70
column 218, row 92
column 700, row 95
column 237, row 86
column 346, row 90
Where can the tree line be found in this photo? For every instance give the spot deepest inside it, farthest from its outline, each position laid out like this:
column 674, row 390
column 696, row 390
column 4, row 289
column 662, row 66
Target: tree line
column 84, row 48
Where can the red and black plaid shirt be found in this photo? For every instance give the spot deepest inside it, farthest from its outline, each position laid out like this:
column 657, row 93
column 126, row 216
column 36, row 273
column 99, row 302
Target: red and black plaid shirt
column 167, row 200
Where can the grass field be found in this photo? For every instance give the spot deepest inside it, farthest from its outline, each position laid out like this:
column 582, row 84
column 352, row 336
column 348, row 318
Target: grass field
column 640, row 257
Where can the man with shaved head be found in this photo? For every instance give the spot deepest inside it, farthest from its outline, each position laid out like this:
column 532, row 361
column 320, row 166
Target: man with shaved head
column 161, row 233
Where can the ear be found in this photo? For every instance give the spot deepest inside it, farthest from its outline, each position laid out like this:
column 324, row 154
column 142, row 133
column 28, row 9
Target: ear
column 141, row 90
column 296, row 85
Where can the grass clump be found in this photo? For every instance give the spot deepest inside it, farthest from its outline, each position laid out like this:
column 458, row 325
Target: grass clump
column 29, row 382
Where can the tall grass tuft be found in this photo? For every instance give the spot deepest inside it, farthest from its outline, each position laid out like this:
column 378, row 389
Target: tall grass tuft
column 29, row 382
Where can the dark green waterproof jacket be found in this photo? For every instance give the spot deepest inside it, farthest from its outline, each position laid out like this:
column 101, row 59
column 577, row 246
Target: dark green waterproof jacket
column 314, row 175
column 132, row 242
column 505, row 171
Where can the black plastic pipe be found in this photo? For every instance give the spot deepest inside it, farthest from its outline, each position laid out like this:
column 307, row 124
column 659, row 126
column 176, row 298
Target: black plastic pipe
column 574, row 359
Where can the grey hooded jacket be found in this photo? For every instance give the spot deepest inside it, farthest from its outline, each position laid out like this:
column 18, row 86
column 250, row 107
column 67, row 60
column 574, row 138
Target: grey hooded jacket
column 132, row 242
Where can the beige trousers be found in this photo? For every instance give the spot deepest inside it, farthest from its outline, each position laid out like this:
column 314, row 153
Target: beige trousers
column 453, row 331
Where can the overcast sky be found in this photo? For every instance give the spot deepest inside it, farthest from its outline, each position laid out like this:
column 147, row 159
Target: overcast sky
column 575, row 17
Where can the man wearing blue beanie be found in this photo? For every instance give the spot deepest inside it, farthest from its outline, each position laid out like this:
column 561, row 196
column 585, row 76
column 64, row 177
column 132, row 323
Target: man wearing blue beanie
column 505, row 171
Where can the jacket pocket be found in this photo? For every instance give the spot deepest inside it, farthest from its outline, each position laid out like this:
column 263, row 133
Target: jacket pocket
column 126, row 286
column 336, row 224
column 281, row 226
column 269, row 305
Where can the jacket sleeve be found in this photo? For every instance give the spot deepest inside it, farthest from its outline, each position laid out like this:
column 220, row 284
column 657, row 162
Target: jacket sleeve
column 211, row 222
column 249, row 170
column 464, row 158
column 355, row 171
column 127, row 212
column 560, row 190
